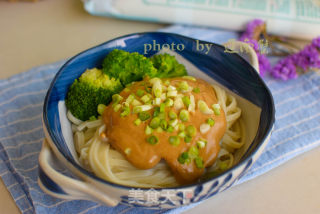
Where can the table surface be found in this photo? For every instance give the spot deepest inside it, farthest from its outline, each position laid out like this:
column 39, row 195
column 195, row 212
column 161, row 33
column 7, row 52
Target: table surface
column 48, row 31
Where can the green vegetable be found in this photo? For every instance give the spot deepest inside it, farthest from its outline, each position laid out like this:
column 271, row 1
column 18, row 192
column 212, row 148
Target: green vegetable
column 210, row 121
column 172, row 115
column 174, row 140
column 183, row 158
column 168, row 66
column 91, row 89
column 143, row 116
column 153, row 140
column 101, row 108
column 92, row 118
column 155, row 122
column 125, row 111
column 186, row 101
column 148, row 130
column 170, row 129
column 187, row 139
column 196, row 90
column 191, row 130
column 137, row 122
column 184, row 115
column 140, row 92
column 193, row 152
column 163, row 124
column 199, row 162
column 128, row 67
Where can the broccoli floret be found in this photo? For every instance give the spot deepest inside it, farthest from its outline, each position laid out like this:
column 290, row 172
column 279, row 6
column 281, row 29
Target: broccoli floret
column 91, row 89
column 168, row 66
column 128, row 67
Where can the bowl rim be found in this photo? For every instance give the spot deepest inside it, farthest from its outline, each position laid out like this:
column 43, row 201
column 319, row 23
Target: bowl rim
column 93, row 176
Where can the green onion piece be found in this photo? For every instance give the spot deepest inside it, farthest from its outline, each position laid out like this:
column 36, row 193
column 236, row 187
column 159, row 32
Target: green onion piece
column 201, row 143
column 148, row 89
column 193, row 152
column 182, row 134
column 171, row 88
column 117, row 107
column 183, row 86
column 204, row 128
column 187, row 139
column 170, row 129
column 183, row 157
column 168, row 102
column 174, row 140
column 173, row 122
column 116, row 98
column 127, row 151
column 125, row 112
column 153, row 140
column 130, row 98
column 216, row 109
column 196, row 90
column 162, row 115
column 155, row 122
column 191, row 130
column 204, row 107
column 156, row 111
column 92, row 118
column 186, row 101
column 101, row 108
column 199, row 162
column 167, row 82
column 210, row 121
column 137, row 109
column 157, row 88
column 137, row 122
column 145, row 98
column 159, row 129
column 162, row 107
column 163, row 124
column 143, row 116
column 189, row 78
column 182, row 127
column 188, row 161
column 126, row 90
column 184, row 115
column 172, row 115
column 140, row 93
column 136, row 102
column 172, row 93
column 157, row 101
column 148, row 130
column 141, row 108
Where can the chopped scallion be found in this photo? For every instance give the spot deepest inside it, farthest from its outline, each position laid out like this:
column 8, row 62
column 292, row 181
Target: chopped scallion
column 174, row 140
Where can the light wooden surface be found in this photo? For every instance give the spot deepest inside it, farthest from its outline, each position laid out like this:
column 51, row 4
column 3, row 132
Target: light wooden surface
column 38, row 33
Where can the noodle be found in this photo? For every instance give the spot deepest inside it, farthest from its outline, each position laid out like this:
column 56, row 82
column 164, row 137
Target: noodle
column 96, row 155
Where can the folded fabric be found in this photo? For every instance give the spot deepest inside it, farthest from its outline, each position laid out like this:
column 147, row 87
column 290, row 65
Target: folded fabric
column 297, row 130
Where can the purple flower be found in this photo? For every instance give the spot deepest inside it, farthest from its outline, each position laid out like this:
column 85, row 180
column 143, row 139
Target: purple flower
column 251, row 26
column 285, row 69
column 307, row 58
column 316, row 42
column 264, row 64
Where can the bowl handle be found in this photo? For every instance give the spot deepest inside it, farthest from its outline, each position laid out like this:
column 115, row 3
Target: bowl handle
column 65, row 187
column 245, row 50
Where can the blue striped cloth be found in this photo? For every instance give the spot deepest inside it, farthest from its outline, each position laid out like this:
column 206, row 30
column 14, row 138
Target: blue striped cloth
column 297, row 130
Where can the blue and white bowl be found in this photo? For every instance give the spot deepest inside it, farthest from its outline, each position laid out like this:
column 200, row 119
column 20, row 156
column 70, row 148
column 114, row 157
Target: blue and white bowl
column 229, row 70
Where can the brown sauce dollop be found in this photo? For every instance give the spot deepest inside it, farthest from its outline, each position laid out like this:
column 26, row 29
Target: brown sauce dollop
column 130, row 139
